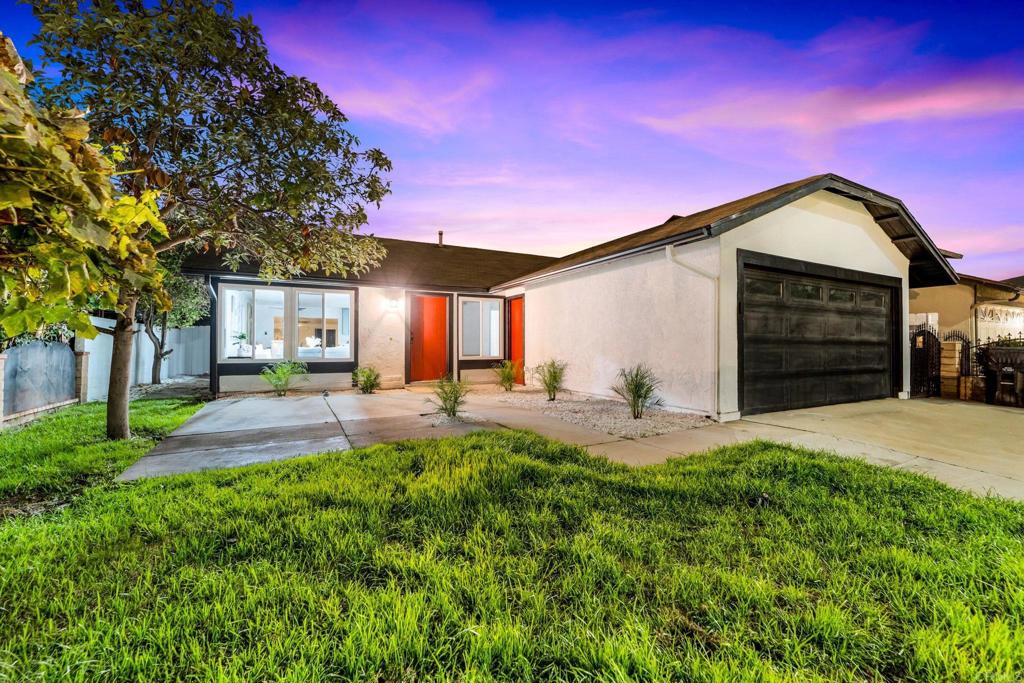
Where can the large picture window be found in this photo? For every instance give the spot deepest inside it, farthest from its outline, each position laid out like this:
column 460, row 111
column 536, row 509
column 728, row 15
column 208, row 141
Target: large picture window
column 252, row 323
column 324, row 323
column 270, row 323
column 481, row 328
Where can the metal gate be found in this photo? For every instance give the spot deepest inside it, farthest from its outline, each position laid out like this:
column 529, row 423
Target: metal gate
column 925, row 361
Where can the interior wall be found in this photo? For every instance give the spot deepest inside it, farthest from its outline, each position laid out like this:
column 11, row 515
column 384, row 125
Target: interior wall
column 821, row 228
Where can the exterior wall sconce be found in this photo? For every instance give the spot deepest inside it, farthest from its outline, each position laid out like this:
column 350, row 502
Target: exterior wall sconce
column 393, row 300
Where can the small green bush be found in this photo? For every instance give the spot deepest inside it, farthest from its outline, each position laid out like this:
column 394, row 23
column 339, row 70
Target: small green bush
column 279, row 375
column 551, row 374
column 367, row 379
column 506, row 371
column 637, row 385
column 451, row 395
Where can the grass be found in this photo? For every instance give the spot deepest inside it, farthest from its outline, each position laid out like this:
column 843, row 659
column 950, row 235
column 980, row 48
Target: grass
column 504, row 556
column 59, row 454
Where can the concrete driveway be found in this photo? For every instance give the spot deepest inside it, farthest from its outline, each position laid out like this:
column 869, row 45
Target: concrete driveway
column 971, row 446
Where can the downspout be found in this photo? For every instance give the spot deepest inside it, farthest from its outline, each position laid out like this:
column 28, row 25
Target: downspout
column 670, row 255
column 214, row 375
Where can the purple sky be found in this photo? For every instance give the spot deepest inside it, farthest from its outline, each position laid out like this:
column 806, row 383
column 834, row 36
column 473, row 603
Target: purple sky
column 550, row 131
column 551, row 127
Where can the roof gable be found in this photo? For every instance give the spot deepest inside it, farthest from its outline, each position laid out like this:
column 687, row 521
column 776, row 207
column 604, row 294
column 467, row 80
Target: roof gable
column 928, row 266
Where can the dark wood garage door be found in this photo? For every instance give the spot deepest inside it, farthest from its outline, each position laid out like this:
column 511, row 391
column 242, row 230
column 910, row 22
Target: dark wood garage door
column 810, row 341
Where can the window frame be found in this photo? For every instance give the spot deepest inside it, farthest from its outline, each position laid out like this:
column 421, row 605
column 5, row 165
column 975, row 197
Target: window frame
column 222, row 287
column 291, row 328
column 323, row 292
column 501, row 328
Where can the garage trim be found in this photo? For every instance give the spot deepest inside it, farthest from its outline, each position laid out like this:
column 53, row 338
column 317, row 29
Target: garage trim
column 791, row 266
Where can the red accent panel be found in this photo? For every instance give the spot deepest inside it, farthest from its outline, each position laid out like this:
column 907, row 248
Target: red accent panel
column 428, row 338
column 517, row 337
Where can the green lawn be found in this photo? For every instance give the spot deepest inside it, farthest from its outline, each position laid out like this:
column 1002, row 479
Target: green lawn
column 506, row 556
column 61, row 453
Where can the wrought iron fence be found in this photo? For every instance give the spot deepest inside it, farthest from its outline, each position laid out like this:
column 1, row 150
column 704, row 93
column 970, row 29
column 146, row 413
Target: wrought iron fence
column 972, row 355
column 992, row 368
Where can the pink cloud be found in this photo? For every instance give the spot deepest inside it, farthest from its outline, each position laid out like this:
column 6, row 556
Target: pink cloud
column 430, row 110
column 551, row 133
column 828, row 111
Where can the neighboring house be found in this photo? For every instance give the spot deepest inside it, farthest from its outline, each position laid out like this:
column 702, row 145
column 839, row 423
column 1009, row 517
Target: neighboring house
column 793, row 297
column 975, row 309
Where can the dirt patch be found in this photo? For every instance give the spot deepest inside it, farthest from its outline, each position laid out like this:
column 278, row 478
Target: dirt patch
column 185, row 386
column 29, row 505
column 610, row 417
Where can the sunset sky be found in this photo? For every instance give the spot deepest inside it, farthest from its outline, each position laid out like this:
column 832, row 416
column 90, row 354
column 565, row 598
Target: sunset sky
column 547, row 127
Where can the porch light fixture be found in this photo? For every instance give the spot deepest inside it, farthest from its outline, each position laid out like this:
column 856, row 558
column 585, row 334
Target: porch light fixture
column 393, row 300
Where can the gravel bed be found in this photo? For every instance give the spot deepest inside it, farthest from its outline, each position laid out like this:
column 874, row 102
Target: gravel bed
column 611, row 417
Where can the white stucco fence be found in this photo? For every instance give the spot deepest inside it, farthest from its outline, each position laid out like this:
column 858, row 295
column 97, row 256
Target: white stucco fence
column 191, row 356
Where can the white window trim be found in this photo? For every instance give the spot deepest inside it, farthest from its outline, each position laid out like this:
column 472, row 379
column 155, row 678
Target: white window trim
column 501, row 327
column 221, row 287
column 291, row 327
column 323, row 321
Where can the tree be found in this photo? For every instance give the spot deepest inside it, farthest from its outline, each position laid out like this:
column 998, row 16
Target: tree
column 250, row 161
column 66, row 240
column 190, row 303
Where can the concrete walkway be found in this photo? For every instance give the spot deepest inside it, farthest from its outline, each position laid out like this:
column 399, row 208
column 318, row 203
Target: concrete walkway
column 245, row 431
column 970, row 446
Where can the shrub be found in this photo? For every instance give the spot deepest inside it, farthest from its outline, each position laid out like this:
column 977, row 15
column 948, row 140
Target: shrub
column 551, row 373
column 367, row 379
column 279, row 375
column 506, row 371
column 637, row 386
column 451, row 395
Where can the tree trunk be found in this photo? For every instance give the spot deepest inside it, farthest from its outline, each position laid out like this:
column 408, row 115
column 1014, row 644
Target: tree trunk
column 120, row 371
column 158, row 361
column 158, row 343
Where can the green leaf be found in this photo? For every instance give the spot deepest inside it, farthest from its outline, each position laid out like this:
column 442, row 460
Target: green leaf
column 15, row 196
column 87, row 230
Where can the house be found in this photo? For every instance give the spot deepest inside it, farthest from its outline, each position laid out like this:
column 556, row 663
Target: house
column 793, row 297
column 973, row 310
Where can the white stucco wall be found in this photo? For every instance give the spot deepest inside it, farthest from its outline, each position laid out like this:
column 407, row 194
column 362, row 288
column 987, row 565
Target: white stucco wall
column 382, row 333
column 822, row 228
column 641, row 309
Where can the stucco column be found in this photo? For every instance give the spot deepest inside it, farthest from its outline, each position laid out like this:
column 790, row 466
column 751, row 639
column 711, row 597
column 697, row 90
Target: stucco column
column 81, row 376
column 949, row 370
column 3, row 366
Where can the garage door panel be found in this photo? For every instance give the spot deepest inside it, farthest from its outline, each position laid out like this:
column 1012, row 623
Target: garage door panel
column 805, row 325
column 806, row 358
column 763, row 323
column 761, row 358
column 806, row 392
column 771, row 394
column 873, row 329
column 875, row 358
column 813, row 341
column 841, row 326
column 843, row 356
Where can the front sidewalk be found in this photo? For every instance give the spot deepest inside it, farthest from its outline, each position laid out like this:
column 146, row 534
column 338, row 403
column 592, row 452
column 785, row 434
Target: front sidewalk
column 967, row 446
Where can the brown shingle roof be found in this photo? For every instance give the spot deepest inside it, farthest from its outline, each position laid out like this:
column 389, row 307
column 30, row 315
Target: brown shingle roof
column 415, row 264
column 1016, row 281
column 674, row 227
column 928, row 265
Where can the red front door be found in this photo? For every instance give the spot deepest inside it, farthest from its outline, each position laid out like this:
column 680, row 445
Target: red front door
column 517, row 337
column 428, row 337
